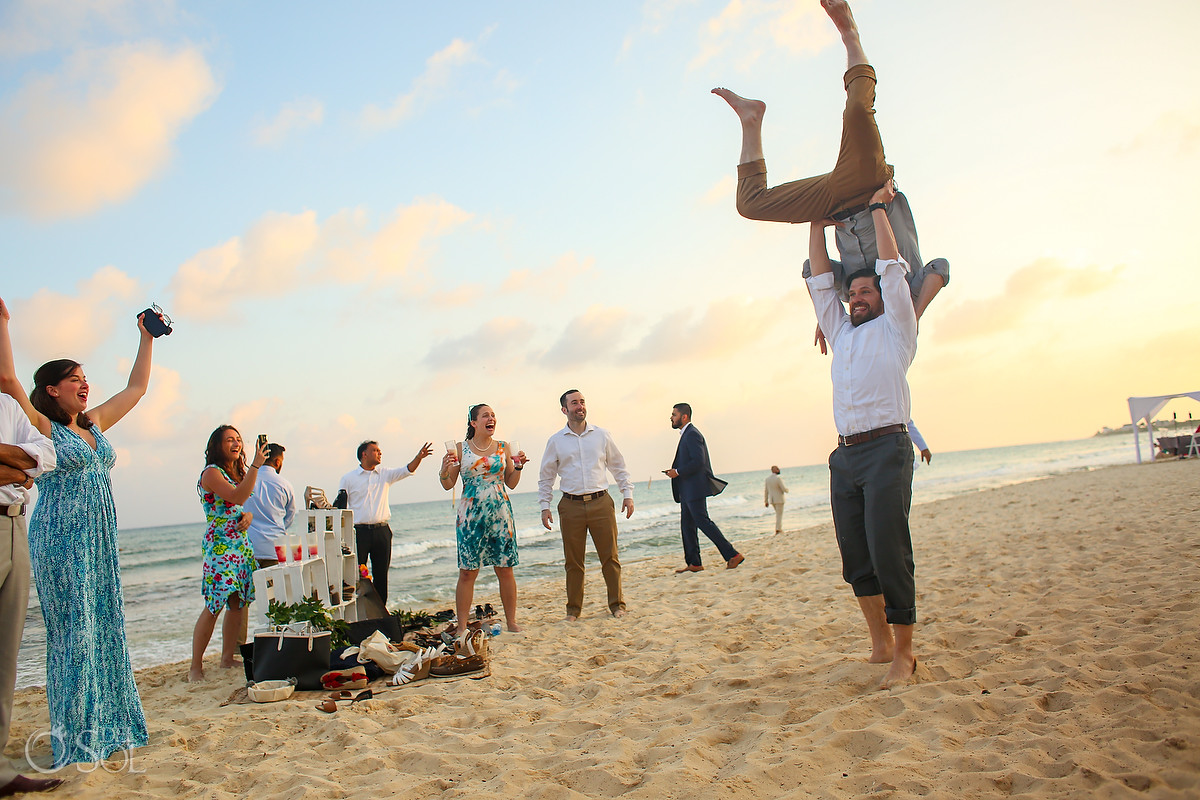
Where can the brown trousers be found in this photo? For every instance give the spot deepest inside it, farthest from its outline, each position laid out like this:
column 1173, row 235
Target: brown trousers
column 14, row 598
column 860, row 168
column 576, row 519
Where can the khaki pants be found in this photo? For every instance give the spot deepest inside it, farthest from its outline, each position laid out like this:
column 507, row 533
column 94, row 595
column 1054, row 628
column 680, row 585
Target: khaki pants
column 576, row 519
column 778, row 517
column 14, row 599
column 860, row 168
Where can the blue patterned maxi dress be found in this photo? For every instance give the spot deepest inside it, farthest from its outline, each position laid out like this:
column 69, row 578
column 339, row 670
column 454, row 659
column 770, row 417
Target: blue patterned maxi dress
column 95, row 710
column 485, row 530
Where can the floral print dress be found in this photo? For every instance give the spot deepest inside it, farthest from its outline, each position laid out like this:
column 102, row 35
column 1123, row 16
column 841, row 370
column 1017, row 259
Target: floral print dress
column 228, row 555
column 95, row 710
column 485, row 530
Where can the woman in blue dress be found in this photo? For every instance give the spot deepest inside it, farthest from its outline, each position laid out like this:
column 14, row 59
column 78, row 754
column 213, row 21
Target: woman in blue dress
column 95, row 710
column 485, row 530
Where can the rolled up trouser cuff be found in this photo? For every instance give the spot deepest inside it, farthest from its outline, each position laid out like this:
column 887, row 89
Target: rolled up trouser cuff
column 859, row 71
column 756, row 167
column 901, row 616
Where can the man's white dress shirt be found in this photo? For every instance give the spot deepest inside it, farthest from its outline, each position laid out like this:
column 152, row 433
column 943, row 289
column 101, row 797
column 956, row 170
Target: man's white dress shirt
column 15, row 429
column 580, row 461
column 367, row 492
column 870, row 362
column 273, row 505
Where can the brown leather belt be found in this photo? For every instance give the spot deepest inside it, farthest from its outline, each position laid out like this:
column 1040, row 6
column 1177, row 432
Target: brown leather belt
column 583, row 498
column 870, row 436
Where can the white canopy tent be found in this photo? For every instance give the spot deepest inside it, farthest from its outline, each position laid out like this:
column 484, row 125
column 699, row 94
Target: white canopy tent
column 1144, row 408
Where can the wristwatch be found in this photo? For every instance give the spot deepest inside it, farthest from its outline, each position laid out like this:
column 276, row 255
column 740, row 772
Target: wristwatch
column 878, row 207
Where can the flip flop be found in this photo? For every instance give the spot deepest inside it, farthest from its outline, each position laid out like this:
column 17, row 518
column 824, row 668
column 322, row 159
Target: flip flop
column 328, row 705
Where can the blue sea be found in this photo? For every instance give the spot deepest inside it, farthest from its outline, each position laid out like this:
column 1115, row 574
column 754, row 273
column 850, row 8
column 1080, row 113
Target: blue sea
column 160, row 567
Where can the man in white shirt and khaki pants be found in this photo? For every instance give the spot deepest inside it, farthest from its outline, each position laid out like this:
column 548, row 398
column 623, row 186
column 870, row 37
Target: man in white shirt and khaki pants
column 579, row 455
column 870, row 472
column 24, row 454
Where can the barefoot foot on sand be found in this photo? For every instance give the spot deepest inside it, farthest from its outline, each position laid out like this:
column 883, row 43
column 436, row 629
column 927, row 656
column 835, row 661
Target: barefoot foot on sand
column 880, row 655
column 746, row 109
column 570, row 618
column 620, row 612
column 843, row 20
column 902, row 673
column 514, row 627
column 195, row 676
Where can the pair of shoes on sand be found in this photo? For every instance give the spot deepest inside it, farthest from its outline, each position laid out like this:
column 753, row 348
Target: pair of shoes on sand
column 732, row 563
column 470, row 655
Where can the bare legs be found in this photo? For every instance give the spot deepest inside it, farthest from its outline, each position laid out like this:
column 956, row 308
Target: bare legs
column 508, row 597
column 464, row 593
column 843, row 20
column 232, row 634
column 750, row 113
column 892, row 643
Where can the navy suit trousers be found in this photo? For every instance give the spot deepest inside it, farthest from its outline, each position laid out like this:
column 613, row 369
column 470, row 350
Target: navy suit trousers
column 693, row 514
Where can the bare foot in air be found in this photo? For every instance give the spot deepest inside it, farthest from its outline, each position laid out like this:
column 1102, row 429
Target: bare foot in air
column 747, row 110
column 843, row 20
column 902, row 673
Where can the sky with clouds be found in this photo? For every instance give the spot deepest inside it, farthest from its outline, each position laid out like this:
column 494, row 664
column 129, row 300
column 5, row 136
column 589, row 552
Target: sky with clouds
column 362, row 222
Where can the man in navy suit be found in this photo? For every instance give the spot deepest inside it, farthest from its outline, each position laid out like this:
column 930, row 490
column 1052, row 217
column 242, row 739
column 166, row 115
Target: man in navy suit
column 692, row 483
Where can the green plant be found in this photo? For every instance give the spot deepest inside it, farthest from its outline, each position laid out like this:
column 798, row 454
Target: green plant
column 312, row 611
column 412, row 620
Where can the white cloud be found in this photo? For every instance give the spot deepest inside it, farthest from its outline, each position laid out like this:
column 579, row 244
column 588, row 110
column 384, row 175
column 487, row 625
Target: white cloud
column 296, row 115
column 1046, row 280
column 727, row 326
column 440, row 69
column 34, row 26
column 51, row 324
column 493, row 344
column 281, row 252
column 594, row 335
column 745, row 27
column 552, row 281
column 99, row 129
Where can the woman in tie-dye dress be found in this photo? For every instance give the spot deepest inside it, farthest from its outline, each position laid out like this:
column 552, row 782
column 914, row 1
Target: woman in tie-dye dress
column 95, row 710
column 485, row 530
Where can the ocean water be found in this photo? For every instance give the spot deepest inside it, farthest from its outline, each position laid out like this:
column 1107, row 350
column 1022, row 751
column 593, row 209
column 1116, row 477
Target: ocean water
column 160, row 567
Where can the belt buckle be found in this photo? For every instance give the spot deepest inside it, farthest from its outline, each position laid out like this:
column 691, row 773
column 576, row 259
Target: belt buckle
column 14, row 510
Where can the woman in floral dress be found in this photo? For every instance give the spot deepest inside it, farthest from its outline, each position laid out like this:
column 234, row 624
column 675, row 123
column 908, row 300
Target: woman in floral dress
column 485, row 530
column 224, row 485
column 95, row 709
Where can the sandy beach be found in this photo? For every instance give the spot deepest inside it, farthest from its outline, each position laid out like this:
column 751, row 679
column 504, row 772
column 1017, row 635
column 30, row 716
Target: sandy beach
column 1058, row 651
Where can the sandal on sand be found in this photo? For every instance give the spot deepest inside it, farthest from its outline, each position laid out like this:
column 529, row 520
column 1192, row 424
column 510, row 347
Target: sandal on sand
column 328, row 705
column 354, row 678
column 472, row 642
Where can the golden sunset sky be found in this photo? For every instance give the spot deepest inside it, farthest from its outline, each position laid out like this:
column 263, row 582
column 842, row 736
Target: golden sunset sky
column 366, row 217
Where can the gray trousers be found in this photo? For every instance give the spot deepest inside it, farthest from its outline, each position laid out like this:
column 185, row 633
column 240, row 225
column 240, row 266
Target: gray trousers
column 858, row 250
column 870, row 489
column 14, row 600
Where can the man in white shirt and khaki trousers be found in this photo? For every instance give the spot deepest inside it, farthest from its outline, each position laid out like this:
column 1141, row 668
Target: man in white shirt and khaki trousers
column 870, row 472
column 24, row 454
column 579, row 455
